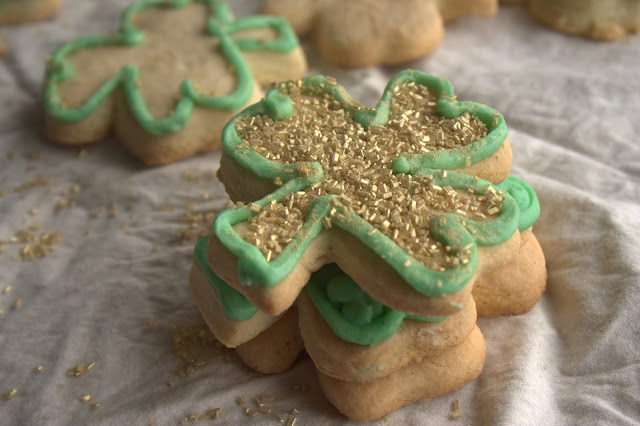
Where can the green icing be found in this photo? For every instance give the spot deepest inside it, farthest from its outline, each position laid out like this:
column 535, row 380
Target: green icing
column 453, row 230
column 526, row 198
column 234, row 304
column 350, row 312
column 220, row 24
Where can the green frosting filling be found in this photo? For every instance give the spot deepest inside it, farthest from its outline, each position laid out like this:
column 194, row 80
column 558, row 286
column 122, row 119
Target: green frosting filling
column 220, row 24
column 234, row 304
column 350, row 312
column 519, row 208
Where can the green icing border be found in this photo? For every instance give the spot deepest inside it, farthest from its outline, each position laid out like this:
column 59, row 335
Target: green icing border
column 253, row 269
column 220, row 24
column 370, row 333
column 234, row 304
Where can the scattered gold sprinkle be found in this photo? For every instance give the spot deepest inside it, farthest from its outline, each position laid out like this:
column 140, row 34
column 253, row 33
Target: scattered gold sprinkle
column 211, row 414
column 86, row 398
column 33, row 155
column 302, row 387
column 63, row 204
column 8, row 395
column 250, row 412
column 37, row 369
column 171, row 383
column 240, row 401
column 192, row 345
column 16, row 304
column 95, row 405
column 113, row 210
column 292, row 421
column 7, row 289
column 455, row 410
column 80, row 369
column 39, row 181
column 33, row 211
column 294, row 411
column 39, row 246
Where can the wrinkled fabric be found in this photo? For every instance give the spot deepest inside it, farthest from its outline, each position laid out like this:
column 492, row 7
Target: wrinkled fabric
column 115, row 290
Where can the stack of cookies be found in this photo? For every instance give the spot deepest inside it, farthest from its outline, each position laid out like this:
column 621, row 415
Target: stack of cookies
column 370, row 237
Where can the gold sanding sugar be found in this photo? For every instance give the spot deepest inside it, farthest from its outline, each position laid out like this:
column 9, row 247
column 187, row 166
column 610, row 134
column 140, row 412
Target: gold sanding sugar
column 41, row 245
column 80, row 369
column 8, row 395
column 357, row 169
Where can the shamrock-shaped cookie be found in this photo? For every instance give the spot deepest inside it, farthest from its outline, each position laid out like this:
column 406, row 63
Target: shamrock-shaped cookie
column 360, row 33
column 169, row 80
column 604, row 20
column 381, row 192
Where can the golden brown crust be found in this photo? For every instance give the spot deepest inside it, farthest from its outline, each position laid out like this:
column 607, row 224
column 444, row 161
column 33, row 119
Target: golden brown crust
column 412, row 342
column 393, row 31
column 276, row 349
column 514, row 288
column 432, row 377
column 229, row 332
column 603, row 20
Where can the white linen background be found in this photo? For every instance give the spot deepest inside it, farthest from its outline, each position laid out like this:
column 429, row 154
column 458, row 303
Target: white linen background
column 572, row 107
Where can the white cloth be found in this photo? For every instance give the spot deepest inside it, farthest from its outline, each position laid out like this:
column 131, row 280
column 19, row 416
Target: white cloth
column 573, row 111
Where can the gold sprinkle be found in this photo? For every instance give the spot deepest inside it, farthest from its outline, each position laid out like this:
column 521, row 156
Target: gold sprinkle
column 7, row 289
column 292, row 421
column 16, row 304
column 80, row 369
column 171, row 383
column 8, row 395
column 250, row 412
column 37, row 369
column 357, row 170
column 240, row 401
column 95, row 405
column 211, row 414
column 33, row 211
column 86, row 398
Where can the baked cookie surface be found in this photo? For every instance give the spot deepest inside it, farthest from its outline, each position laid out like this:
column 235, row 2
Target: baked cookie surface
column 169, row 80
column 604, row 20
column 360, row 33
column 17, row 11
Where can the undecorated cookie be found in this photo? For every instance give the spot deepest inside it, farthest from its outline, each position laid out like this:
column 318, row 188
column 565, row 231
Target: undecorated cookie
column 360, row 33
column 604, row 20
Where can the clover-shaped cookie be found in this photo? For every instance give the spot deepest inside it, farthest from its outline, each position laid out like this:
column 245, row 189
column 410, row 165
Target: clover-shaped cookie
column 381, row 192
column 604, row 20
column 359, row 33
column 169, row 80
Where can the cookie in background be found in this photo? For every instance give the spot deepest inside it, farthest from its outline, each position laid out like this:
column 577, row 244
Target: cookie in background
column 603, row 20
column 169, row 80
column 363, row 33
